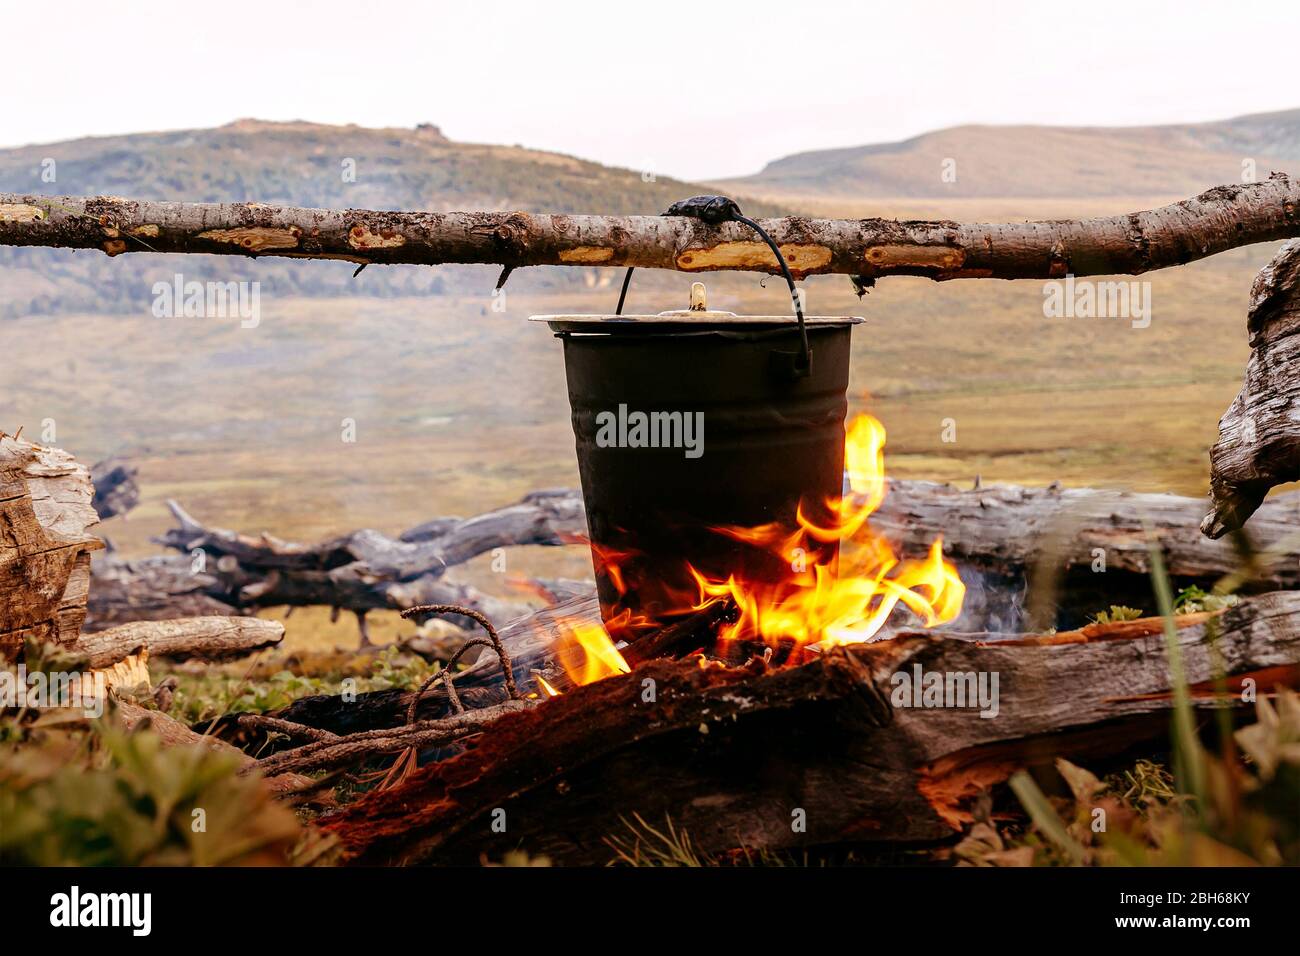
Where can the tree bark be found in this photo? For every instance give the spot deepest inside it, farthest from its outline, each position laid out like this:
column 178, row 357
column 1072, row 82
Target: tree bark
column 45, row 547
column 1259, row 435
column 209, row 638
column 1221, row 218
column 734, row 756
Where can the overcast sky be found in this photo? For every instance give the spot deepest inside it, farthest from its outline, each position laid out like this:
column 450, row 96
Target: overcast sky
column 697, row 89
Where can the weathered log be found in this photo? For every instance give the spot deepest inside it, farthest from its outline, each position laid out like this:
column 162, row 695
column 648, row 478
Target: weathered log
column 366, row 570
column 543, row 517
column 838, row 747
column 1221, row 218
column 359, row 572
column 999, row 536
column 1259, row 435
column 152, row 589
column 208, row 638
column 1079, row 550
column 45, row 547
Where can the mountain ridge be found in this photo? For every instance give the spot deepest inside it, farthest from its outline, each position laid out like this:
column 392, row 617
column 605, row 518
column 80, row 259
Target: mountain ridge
column 1037, row 161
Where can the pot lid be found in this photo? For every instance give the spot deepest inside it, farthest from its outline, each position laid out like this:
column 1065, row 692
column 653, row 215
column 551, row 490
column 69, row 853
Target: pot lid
column 699, row 314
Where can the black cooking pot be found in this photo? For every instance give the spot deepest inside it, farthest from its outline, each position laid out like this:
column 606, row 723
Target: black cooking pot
column 694, row 420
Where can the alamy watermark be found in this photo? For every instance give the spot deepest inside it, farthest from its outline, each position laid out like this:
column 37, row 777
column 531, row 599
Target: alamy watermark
column 208, row 300
column 1086, row 299
column 920, row 688
column 41, row 690
column 633, row 429
column 133, row 911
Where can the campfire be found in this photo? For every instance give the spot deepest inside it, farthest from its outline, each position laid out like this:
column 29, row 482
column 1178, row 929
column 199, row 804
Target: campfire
column 840, row 595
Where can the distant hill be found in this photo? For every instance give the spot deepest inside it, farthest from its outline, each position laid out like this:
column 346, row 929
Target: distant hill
column 1040, row 161
column 303, row 164
column 310, row 164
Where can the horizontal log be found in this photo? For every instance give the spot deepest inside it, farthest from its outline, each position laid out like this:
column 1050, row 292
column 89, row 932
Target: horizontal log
column 155, row 588
column 735, row 755
column 1217, row 220
column 543, row 517
column 1017, row 527
column 207, row 638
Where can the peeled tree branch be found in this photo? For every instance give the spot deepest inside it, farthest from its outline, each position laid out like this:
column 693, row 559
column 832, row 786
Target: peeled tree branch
column 1219, row 219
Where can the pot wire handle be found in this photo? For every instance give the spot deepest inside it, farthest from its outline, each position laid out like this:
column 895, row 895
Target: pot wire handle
column 715, row 210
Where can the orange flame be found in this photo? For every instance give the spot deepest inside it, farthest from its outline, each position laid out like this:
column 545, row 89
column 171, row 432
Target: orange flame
column 587, row 654
column 837, row 600
column 830, row 596
column 545, row 685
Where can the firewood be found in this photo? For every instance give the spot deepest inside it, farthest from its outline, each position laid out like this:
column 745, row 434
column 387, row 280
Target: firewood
column 735, row 756
column 693, row 631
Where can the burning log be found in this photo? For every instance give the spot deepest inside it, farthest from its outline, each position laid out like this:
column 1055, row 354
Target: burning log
column 1088, row 546
column 888, row 741
column 45, row 545
column 690, row 633
column 1221, row 218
